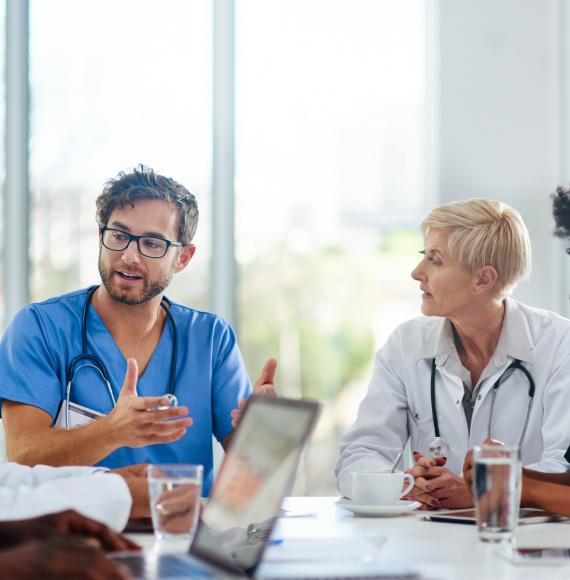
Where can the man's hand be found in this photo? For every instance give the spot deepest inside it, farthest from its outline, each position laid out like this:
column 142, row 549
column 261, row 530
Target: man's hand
column 67, row 523
column 59, row 558
column 468, row 471
column 138, row 421
column 263, row 386
column 177, row 509
column 444, row 488
column 135, row 477
column 137, row 470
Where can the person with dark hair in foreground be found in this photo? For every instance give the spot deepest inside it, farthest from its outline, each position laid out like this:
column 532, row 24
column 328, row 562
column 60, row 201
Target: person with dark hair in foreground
column 547, row 491
column 62, row 545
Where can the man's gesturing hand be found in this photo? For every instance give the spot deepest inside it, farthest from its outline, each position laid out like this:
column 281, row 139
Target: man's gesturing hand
column 263, row 386
column 138, row 421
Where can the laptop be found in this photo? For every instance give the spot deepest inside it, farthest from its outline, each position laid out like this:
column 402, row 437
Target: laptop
column 236, row 524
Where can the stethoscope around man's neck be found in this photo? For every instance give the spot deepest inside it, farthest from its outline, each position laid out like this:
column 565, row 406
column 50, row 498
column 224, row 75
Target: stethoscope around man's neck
column 439, row 447
column 93, row 361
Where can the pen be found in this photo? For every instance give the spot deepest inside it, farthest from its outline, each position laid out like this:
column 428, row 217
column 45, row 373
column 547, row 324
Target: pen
column 275, row 542
column 450, row 520
column 398, row 457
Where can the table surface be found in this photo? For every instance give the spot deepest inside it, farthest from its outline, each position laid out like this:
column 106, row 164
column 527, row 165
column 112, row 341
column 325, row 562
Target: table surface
column 436, row 550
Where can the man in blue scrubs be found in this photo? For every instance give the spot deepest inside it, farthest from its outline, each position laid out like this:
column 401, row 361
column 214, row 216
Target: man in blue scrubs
column 147, row 222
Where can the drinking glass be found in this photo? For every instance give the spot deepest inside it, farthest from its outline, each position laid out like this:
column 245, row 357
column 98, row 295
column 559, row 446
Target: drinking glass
column 174, row 493
column 497, row 486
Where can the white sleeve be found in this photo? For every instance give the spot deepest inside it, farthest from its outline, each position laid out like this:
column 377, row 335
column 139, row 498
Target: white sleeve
column 16, row 474
column 381, row 427
column 555, row 424
column 104, row 497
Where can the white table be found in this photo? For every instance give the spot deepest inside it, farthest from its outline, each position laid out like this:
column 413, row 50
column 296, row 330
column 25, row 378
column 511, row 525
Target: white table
column 437, row 550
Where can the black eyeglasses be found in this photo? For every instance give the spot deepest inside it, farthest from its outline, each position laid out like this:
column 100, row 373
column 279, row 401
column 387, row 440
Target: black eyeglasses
column 148, row 246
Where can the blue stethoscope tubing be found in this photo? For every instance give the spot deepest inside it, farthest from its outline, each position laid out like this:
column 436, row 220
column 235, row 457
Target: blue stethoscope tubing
column 515, row 365
column 90, row 360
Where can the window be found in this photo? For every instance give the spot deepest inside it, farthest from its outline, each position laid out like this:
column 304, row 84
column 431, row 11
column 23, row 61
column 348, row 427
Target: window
column 121, row 83
column 330, row 188
column 2, row 155
column 331, row 178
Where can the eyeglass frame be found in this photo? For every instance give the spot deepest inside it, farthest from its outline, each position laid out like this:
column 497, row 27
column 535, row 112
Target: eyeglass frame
column 133, row 237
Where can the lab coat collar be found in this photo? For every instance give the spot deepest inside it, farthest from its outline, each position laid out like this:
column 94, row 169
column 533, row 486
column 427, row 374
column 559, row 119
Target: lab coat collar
column 515, row 340
column 439, row 342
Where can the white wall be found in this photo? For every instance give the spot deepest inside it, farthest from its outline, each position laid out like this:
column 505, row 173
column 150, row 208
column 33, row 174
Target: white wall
column 503, row 119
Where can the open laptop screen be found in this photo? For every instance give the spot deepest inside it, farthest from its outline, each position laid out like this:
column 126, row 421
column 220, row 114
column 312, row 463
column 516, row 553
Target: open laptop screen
column 255, row 476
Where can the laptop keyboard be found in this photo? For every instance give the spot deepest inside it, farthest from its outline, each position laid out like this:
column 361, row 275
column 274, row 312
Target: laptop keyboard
column 166, row 566
column 172, row 566
column 375, row 576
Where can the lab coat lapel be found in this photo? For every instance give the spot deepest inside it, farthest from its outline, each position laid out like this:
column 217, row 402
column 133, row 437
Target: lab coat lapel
column 449, row 383
column 515, row 342
column 453, row 425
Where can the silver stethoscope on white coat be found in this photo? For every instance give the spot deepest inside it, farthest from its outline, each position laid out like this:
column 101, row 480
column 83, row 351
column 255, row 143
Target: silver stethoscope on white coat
column 439, row 446
column 86, row 360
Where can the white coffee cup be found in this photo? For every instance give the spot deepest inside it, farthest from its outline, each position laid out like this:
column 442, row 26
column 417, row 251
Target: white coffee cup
column 379, row 487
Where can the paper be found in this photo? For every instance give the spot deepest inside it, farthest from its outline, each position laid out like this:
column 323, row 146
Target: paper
column 324, row 549
column 78, row 416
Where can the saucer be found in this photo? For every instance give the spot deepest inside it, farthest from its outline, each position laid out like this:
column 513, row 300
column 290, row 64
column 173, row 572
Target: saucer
column 379, row 511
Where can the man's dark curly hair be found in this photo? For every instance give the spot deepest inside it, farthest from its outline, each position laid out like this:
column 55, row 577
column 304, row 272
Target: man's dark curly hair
column 143, row 183
column 561, row 212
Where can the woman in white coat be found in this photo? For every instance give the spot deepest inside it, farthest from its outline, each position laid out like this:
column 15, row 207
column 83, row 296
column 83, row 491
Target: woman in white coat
column 447, row 364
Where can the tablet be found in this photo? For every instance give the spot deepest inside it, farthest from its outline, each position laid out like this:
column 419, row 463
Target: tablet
column 467, row 516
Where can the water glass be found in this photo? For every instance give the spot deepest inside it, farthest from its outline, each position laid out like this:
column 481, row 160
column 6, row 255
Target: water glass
column 497, row 487
column 174, row 493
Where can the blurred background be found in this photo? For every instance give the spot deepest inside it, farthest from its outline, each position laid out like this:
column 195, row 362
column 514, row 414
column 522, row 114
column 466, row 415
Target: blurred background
column 316, row 134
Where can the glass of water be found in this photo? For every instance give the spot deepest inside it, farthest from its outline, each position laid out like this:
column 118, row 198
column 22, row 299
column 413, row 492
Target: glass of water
column 497, row 487
column 175, row 498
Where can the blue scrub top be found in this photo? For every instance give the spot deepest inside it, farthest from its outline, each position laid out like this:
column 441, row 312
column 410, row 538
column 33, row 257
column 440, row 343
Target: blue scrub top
column 38, row 347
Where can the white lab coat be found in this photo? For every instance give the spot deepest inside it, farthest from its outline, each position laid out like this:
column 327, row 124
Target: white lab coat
column 27, row 492
column 398, row 405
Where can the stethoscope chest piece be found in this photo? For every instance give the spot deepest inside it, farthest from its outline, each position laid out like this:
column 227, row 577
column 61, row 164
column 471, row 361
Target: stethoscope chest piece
column 172, row 398
column 439, row 447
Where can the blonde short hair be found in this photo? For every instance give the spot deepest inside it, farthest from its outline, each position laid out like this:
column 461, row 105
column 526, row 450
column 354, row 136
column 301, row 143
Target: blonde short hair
column 484, row 232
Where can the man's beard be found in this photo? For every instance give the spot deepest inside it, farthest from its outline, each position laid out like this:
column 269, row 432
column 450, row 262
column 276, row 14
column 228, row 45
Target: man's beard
column 148, row 292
